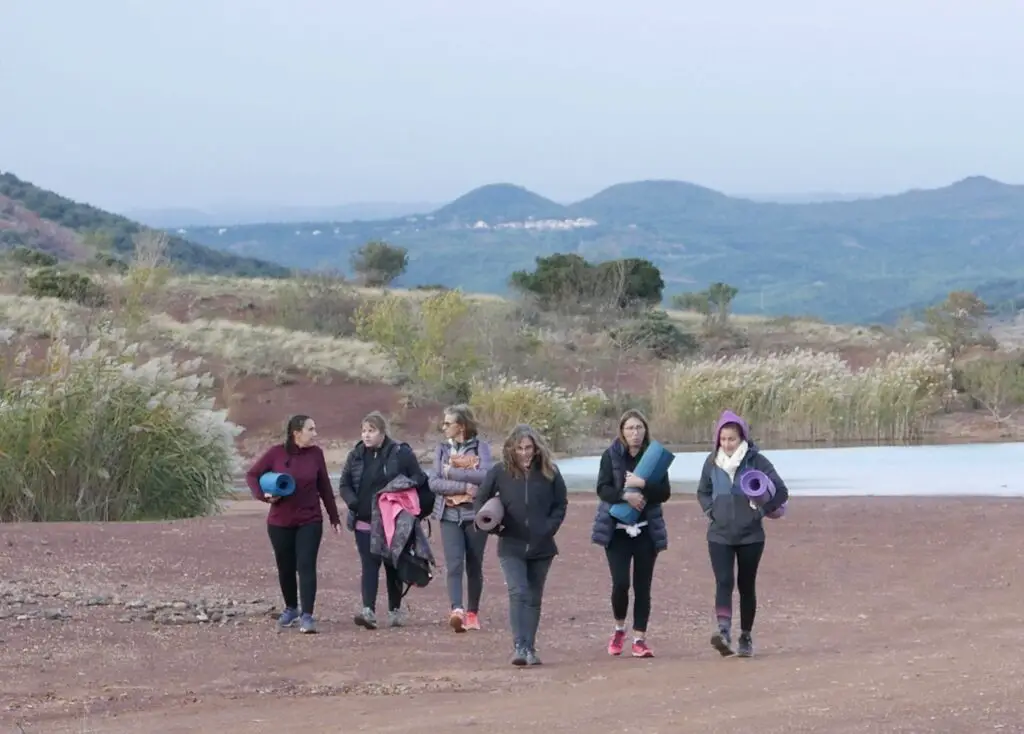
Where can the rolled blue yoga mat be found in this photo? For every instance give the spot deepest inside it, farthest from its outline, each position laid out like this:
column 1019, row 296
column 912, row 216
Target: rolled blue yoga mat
column 277, row 485
column 624, row 513
column 653, row 466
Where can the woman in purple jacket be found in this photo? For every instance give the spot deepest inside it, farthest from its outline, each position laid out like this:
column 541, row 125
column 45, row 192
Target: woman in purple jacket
column 461, row 462
column 295, row 523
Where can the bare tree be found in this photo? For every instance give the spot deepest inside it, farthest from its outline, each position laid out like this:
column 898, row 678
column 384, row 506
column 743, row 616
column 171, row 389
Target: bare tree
column 998, row 386
column 147, row 273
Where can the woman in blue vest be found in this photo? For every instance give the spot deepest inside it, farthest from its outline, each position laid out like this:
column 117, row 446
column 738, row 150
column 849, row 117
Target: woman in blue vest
column 630, row 548
column 735, row 527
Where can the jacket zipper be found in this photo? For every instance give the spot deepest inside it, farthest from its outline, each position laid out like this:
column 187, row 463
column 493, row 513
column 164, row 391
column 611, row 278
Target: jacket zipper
column 526, row 490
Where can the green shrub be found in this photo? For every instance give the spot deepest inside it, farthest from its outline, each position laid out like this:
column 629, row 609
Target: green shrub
column 32, row 257
column 557, row 414
column 655, row 332
column 430, row 340
column 106, row 261
column 76, row 287
column 317, row 303
column 91, row 437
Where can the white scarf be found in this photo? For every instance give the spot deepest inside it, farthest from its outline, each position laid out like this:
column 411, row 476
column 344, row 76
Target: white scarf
column 729, row 464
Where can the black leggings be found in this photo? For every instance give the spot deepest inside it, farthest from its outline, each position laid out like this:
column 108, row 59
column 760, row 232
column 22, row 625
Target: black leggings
column 746, row 558
column 295, row 550
column 622, row 552
column 371, row 576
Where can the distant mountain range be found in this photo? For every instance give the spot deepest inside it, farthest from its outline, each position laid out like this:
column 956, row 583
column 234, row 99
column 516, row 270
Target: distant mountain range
column 855, row 261
column 256, row 214
column 217, row 216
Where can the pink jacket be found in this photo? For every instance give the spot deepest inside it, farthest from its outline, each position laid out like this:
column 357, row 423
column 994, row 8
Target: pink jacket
column 391, row 504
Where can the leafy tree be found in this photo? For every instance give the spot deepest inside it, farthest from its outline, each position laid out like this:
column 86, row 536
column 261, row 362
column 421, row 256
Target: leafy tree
column 377, row 263
column 720, row 297
column 695, row 302
column 956, row 322
column 713, row 304
column 569, row 281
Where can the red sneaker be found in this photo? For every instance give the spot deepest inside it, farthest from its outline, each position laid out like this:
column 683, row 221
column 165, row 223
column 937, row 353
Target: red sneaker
column 640, row 649
column 616, row 643
column 472, row 621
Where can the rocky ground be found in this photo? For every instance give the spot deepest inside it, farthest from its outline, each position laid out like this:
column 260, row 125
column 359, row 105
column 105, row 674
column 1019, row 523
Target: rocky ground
column 876, row 615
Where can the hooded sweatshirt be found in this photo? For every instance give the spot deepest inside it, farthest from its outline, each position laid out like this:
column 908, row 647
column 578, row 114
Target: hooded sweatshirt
column 731, row 518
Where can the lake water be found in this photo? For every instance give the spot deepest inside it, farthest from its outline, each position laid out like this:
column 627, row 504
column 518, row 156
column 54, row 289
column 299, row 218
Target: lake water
column 971, row 470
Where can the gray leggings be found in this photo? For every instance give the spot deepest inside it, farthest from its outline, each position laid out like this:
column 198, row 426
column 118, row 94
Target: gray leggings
column 525, row 580
column 464, row 547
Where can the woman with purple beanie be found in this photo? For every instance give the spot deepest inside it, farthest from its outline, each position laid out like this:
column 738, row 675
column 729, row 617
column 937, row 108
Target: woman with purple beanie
column 736, row 534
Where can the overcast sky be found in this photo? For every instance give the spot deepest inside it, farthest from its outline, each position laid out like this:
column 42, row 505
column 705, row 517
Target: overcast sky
column 166, row 103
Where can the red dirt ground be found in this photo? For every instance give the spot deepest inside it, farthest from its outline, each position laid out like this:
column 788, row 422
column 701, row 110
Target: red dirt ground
column 263, row 408
column 876, row 615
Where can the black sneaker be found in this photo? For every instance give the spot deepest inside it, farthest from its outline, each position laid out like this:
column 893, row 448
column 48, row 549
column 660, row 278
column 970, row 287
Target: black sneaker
column 722, row 641
column 519, row 656
column 745, row 649
column 531, row 658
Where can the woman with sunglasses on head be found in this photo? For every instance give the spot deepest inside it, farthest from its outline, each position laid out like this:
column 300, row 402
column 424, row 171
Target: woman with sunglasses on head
column 461, row 462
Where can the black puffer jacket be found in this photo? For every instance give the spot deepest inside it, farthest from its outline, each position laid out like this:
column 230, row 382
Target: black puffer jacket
column 390, row 460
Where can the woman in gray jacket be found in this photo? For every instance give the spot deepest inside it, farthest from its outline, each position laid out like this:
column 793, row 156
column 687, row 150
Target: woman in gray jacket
column 461, row 462
column 735, row 527
column 534, row 500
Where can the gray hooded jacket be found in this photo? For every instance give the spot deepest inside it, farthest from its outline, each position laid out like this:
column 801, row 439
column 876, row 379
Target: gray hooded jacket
column 732, row 520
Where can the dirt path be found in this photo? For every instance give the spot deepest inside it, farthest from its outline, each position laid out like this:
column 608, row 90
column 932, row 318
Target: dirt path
column 876, row 615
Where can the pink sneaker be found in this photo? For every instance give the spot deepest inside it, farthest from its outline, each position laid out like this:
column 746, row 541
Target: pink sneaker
column 640, row 649
column 472, row 621
column 617, row 642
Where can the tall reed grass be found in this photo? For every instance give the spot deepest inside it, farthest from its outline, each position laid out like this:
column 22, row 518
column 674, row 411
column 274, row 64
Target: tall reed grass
column 559, row 415
column 804, row 396
column 86, row 434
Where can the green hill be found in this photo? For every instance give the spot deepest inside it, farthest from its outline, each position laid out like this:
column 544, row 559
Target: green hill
column 841, row 261
column 42, row 220
column 498, row 203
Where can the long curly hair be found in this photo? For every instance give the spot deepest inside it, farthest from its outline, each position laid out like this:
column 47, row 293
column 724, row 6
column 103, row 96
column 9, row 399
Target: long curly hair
column 541, row 454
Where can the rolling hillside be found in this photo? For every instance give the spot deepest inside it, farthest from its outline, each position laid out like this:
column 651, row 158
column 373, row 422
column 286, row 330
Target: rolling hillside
column 42, row 220
column 841, row 261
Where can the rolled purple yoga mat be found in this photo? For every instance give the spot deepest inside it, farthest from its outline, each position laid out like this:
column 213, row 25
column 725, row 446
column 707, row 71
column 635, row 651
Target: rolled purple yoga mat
column 490, row 515
column 760, row 488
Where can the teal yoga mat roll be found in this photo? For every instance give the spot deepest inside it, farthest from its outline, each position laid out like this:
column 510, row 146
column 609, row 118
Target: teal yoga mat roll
column 653, row 466
column 277, row 485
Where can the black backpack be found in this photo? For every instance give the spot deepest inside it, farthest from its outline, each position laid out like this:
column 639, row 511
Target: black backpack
column 425, row 494
column 413, row 570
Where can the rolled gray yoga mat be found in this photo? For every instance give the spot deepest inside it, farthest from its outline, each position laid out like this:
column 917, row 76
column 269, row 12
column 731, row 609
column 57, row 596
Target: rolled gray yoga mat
column 490, row 515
